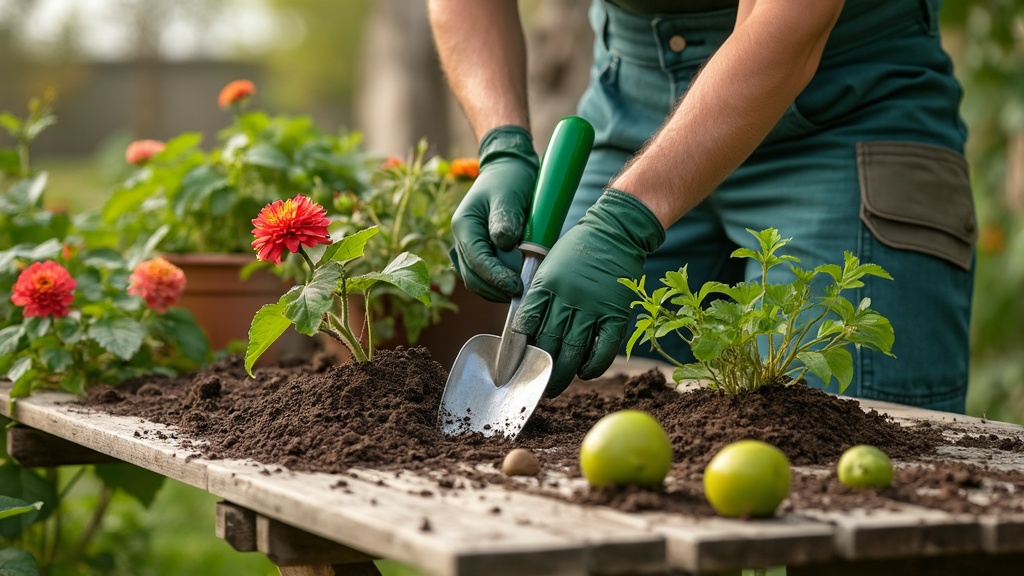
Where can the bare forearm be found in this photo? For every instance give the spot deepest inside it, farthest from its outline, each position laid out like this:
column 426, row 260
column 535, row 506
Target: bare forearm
column 483, row 53
column 732, row 105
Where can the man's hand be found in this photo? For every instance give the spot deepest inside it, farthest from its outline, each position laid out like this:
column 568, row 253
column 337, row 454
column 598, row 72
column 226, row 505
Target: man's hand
column 576, row 309
column 489, row 221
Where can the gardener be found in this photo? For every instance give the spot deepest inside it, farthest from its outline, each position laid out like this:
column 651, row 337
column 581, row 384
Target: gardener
column 837, row 124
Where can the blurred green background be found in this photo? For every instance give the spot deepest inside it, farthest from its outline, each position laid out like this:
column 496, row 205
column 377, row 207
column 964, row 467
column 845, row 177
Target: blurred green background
column 128, row 69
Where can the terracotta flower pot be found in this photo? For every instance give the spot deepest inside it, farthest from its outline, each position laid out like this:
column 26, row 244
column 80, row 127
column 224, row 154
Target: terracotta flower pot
column 224, row 304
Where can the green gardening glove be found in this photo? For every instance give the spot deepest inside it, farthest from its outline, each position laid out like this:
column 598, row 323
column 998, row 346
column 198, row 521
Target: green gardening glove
column 576, row 310
column 489, row 222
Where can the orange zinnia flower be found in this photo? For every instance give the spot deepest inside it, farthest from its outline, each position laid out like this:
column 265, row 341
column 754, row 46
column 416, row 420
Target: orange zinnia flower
column 158, row 282
column 44, row 289
column 236, row 92
column 140, row 151
column 464, row 168
column 391, row 162
column 289, row 225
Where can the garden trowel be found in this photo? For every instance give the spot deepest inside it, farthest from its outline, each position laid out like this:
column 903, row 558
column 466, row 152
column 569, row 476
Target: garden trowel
column 496, row 382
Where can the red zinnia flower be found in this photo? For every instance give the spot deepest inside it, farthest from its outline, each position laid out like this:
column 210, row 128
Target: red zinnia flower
column 289, row 224
column 464, row 168
column 391, row 162
column 236, row 92
column 44, row 289
column 140, row 151
column 158, row 282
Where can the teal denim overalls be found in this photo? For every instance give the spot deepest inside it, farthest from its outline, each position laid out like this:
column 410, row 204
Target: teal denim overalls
column 868, row 159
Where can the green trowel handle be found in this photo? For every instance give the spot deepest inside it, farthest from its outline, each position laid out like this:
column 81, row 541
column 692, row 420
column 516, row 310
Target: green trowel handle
column 560, row 173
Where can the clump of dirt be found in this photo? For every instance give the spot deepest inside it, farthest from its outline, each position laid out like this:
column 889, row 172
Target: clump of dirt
column 329, row 418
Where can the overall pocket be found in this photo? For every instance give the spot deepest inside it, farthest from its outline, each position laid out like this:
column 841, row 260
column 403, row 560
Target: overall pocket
column 918, row 197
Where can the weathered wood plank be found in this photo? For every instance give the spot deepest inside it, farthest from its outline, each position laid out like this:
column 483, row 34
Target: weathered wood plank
column 911, row 414
column 903, row 531
column 131, row 440
column 236, row 525
column 613, row 547
column 957, row 565
column 691, row 544
column 393, row 524
column 33, row 448
column 289, row 546
column 383, row 522
column 294, row 551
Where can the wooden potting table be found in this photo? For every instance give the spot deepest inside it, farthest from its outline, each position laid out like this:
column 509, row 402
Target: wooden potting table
column 337, row 524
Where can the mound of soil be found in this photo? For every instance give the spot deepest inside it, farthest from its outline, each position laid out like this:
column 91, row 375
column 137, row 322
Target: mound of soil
column 383, row 415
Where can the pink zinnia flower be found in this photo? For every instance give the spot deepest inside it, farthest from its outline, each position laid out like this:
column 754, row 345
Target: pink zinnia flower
column 236, row 92
column 158, row 282
column 140, row 151
column 44, row 289
column 288, row 225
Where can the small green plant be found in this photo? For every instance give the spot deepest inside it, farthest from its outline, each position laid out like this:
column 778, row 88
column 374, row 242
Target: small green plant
column 764, row 334
column 321, row 302
column 411, row 203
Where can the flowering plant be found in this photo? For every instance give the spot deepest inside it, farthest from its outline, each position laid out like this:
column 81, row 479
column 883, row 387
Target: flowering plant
column 205, row 198
column 90, row 317
column 764, row 334
column 411, row 203
column 22, row 217
column 320, row 303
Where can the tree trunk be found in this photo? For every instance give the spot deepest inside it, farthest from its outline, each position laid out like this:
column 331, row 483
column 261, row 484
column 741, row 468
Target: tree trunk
column 403, row 95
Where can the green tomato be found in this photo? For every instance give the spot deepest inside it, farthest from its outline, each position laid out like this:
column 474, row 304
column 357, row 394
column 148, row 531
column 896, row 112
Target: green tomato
column 628, row 447
column 864, row 466
column 748, row 478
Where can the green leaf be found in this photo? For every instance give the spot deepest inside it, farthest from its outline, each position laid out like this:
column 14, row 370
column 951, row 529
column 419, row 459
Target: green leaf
column 122, row 337
column 28, row 191
column 37, row 326
column 708, row 345
column 73, row 382
column 10, row 337
column 19, row 369
column 832, row 270
column 745, row 253
column 817, row 364
column 56, row 359
column 196, row 187
column 872, row 330
column 350, row 247
column 180, row 326
column 744, row 293
column 10, row 123
column 841, row 362
column 307, row 304
column 267, row 156
column 691, row 372
column 12, row 507
column 139, row 483
column 24, row 484
column 17, row 562
column 407, row 272
column 69, row 329
column 267, row 326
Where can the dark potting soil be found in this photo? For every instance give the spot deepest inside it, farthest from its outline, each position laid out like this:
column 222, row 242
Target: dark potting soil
column 383, row 415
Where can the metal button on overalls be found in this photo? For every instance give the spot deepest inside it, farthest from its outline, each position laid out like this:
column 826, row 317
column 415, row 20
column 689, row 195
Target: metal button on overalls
column 677, row 43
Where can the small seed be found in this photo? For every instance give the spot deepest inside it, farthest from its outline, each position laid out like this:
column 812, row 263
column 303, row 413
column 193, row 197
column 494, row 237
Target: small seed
column 520, row 462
